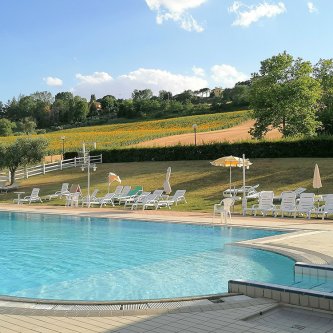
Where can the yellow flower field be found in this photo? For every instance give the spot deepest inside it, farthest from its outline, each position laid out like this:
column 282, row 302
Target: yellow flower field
column 126, row 134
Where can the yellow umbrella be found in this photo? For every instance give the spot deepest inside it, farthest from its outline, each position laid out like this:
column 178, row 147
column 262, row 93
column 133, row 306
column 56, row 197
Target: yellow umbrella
column 111, row 178
column 232, row 162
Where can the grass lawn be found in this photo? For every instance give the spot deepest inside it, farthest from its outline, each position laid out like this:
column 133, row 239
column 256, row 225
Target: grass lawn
column 204, row 183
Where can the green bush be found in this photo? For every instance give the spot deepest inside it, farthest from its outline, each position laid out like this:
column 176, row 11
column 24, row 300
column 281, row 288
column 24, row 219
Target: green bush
column 71, row 154
column 317, row 147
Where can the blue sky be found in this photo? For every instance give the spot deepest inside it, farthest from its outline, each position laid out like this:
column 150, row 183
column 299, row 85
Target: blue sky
column 115, row 46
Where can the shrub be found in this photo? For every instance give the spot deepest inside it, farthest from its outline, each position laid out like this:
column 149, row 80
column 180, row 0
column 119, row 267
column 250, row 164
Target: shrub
column 317, row 147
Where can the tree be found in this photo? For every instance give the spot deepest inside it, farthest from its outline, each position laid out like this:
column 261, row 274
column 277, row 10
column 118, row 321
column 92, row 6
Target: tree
column 285, row 95
column 139, row 95
column 165, row 95
column 79, row 109
column 109, row 105
column 184, row 97
column 22, row 152
column 43, row 96
column 323, row 72
column 6, row 127
column 26, row 125
column 238, row 96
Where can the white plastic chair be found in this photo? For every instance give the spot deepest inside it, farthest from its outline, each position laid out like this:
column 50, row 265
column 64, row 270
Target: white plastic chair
column 224, row 209
column 73, row 199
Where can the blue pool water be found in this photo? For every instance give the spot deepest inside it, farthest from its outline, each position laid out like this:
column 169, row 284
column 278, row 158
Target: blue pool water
column 73, row 258
column 315, row 283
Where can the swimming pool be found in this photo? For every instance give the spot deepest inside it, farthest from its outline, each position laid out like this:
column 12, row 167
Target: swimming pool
column 75, row 258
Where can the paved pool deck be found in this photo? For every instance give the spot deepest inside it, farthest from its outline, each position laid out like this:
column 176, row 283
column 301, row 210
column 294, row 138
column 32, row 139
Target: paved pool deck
column 308, row 241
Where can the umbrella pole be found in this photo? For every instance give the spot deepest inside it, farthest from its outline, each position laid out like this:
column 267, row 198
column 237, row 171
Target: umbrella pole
column 230, row 180
column 244, row 201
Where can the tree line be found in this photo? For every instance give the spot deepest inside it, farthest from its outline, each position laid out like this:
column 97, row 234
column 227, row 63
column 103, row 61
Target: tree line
column 41, row 111
column 287, row 93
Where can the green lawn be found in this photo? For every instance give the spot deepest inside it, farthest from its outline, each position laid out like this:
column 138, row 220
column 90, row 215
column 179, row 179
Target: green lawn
column 204, row 183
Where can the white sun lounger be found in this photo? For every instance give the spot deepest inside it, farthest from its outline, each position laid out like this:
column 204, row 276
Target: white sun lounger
column 327, row 207
column 239, row 191
column 288, row 204
column 305, row 205
column 265, row 204
column 63, row 191
column 33, row 197
column 87, row 200
column 148, row 201
column 138, row 199
column 178, row 196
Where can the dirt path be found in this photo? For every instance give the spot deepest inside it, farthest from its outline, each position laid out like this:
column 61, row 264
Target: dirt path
column 237, row 133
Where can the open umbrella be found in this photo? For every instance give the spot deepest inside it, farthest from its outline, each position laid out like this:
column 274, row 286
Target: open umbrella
column 232, row 162
column 111, row 178
column 316, row 183
column 166, row 184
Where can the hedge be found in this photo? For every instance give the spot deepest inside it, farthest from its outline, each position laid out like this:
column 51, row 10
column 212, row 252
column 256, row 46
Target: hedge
column 262, row 149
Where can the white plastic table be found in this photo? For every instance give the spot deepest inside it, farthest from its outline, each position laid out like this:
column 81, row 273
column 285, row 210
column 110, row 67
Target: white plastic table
column 19, row 196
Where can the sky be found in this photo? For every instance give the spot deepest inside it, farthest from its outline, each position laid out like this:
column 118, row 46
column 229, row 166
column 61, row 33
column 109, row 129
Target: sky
column 111, row 47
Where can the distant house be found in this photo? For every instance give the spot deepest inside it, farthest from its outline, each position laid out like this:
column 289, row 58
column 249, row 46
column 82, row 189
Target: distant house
column 98, row 105
column 216, row 92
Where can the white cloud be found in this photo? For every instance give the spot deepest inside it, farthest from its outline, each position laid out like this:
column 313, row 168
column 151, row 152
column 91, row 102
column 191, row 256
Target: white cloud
column 246, row 15
column 53, row 81
column 198, row 71
column 96, row 78
column 177, row 11
column 226, row 75
column 142, row 78
column 312, row 8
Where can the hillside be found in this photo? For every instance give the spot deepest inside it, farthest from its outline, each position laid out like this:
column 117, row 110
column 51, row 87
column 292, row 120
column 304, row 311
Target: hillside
column 129, row 133
column 232, row 134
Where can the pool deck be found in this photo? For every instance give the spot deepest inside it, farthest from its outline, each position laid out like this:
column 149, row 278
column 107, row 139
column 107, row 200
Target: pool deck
column 308, row 241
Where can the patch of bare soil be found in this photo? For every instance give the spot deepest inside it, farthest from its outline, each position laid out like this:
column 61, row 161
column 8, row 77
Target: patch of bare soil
column 233, row 134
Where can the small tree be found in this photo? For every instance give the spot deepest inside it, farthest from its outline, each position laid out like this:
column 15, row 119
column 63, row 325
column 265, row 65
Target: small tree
column 22, row 152
column 6, row 127
column 26, row 125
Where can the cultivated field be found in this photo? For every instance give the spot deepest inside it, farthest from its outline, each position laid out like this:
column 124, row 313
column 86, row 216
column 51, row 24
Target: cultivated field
column 126, row 134
column 232, row 134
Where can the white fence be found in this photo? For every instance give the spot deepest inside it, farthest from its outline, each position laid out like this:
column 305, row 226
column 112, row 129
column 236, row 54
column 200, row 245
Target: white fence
column 42, row 169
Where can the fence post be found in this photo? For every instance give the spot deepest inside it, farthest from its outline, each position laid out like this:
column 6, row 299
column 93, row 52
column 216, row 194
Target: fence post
column 101, row 158
column 74, row 162
column 43, row 168
column 26, row 172
column 60, row 164
column 9, row 175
